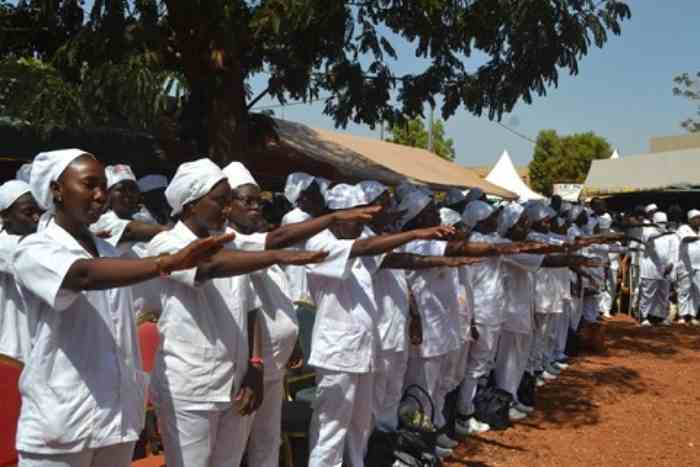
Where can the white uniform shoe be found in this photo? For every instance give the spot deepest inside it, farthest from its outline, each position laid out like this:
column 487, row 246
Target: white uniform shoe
column 645, row 324
column 539, row 382
column 560, row 365
column 515, row 414
column 470, row 426
column 547, row 376
column 523, row 408
column 695, row 322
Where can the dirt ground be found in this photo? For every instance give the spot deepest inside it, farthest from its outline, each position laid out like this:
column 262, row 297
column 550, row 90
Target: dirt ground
column 639, row 405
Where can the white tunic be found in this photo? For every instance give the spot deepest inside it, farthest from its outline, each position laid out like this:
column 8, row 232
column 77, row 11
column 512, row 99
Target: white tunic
column 345, row 336
column 689, row 252
column 437, row 294
column 278, row 318
column 548, row 293
column 519, row 276
column 391, row 293
column 203, row 354
column 82, row 386
column 146, row 294
column 298, row 282
column 487, row 279
column 16, row 326
column 658, row 254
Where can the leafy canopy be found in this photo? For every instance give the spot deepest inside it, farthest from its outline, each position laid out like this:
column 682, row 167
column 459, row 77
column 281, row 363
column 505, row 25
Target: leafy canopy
column 688, row 86
column 564, row 159
column 414, row 133
column 342, row 52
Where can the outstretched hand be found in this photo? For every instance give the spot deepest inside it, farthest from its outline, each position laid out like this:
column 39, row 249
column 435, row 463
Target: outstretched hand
column 364, row 214
column 196, row 252
column 434, row 233
column 300, row 258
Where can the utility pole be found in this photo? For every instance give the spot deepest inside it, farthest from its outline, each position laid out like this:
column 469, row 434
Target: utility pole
column 381, row 131
column 430, row 129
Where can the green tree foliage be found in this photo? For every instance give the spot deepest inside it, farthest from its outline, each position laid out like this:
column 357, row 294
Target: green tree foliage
column 564, row 159
column 414, row 133
column 689, row 87
column 339, row 51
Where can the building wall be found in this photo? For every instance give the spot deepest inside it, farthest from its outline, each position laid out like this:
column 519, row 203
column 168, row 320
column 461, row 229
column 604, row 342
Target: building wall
column 674, row 143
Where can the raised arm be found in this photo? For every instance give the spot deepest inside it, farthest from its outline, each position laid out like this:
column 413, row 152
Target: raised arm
column 467, row 248
column 138, row 231
column 570, row 261
column 227, row 263
column 290, row 234
column 384, row 243
column 108, row 273
column 411, row 261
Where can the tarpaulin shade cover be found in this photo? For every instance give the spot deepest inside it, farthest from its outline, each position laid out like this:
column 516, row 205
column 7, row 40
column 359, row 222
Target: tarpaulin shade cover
column 663, row 171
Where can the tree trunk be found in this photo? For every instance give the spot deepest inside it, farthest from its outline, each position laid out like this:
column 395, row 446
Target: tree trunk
column 227, row 120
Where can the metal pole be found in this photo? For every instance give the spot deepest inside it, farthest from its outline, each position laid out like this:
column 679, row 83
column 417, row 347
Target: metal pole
column 430, row 130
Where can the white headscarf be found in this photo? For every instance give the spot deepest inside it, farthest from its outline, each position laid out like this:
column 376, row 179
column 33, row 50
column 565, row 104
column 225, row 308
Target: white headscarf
column 238, row 174
column 152, row 182
column 651, row 208
column 574, row 212
column 660, row 218
column 449, row 217
column 372, row 190
column 118, row 173
column 344, row 196
column 605, row 221
column 475, row 194
column 565, row 207
column 538, row 211
column 46, row 168
column 10, row 191
column 412, row 203
column 297, row 182
column 508, row 217
column 323, row 185
column 475, row 212
column 693, row 213
column 454, row 196
column 25, row 172
column 192, row 181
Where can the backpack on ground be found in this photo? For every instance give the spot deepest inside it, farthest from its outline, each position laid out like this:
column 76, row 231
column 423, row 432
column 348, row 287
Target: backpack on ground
column 527, row 391
column 491, row 406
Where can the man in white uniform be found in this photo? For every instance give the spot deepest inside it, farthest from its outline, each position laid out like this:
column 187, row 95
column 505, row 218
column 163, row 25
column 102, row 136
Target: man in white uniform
column 661, row 249
column 82, row 386
column 688, row 267
column 207, row 376
column 20, row 216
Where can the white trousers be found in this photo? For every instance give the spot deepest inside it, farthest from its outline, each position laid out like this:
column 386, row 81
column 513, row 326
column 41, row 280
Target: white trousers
column 606, row 297
column 482, row 355
column 540, row 339
column 118, row 455
column 654, row 298
column 562, row 331
column 591, row 308
column 433, row 375
column 575, row 313
column 202, row 438
column 511, row 360
column 688, row 296
column 388, row 389
column 342, row 418
column 265, row 430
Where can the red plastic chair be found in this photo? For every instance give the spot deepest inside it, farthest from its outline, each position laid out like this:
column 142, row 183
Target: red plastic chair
column 153, row 461
column 10, row 402
column 149, row 340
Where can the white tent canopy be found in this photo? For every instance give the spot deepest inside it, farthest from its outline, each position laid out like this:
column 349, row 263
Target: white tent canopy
column 504, row 175
column 615, row 155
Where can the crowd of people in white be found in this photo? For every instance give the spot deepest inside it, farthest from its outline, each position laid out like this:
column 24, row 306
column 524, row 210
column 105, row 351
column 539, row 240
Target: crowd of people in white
column 406, row 286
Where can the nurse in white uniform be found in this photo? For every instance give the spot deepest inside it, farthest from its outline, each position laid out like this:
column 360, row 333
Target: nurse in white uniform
column 208, row 376
column 82, row 386
column 20, row 216
column 277, row 316
column 689, row 264
column 345, row 341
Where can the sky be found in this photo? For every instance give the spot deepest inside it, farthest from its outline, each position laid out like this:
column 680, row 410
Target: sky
column 623, row 92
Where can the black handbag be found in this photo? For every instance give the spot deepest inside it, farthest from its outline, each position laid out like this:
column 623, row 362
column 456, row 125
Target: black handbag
column 527, row 391
column 491, row 406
